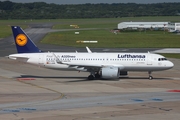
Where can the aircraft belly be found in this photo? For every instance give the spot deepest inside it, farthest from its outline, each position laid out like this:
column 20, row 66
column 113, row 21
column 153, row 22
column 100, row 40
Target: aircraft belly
column 144, row 68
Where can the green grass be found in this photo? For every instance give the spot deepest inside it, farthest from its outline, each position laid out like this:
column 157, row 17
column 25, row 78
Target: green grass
column 135, row 39
column 93, row 25
column 5, row 29
column 148, row 39
column 170, row 55
column 106, row 23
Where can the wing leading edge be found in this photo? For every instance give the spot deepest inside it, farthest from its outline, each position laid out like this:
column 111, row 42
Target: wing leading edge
column 89, row 65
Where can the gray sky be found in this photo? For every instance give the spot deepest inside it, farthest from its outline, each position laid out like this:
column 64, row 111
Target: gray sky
column 93, row 1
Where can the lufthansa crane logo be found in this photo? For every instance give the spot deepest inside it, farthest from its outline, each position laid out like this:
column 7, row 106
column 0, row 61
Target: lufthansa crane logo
column 21, row 40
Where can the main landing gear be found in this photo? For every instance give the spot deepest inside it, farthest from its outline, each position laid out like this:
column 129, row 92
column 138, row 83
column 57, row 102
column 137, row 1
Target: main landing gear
column 96, row 75
column 93, row 76
column 150, row 77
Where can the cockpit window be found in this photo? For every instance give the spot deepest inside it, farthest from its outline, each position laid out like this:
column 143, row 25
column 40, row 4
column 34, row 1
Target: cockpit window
column 162, row 59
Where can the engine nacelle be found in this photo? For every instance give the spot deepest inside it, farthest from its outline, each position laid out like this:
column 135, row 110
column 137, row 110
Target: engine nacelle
column 110, row 72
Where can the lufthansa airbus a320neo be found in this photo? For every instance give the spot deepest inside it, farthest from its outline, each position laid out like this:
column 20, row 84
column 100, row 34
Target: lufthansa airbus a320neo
column 99, row 65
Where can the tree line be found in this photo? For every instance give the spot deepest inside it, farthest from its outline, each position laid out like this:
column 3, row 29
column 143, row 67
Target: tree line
column 42, row 10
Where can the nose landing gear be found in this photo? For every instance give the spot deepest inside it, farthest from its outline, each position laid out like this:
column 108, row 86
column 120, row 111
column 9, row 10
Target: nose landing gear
column 150, row 76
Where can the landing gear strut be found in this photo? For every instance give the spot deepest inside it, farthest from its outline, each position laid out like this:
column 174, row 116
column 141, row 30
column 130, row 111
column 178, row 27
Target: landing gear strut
column 91, row 77
column 94, row 75
column 150, row 77
column 97, row 75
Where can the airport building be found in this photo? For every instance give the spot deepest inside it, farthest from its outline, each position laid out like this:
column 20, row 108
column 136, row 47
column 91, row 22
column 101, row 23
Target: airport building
column 172, row 27
column 143, row 25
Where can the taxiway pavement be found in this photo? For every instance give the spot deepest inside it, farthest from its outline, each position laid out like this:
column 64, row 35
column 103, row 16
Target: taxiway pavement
column 33, row 93
column 30, row 92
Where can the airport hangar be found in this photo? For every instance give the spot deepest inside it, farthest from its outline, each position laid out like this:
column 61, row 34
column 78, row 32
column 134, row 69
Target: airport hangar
column 148, row 25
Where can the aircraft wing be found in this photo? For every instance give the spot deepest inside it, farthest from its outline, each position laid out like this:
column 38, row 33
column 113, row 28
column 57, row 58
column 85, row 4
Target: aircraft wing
column 94, row 65
column 87, row 66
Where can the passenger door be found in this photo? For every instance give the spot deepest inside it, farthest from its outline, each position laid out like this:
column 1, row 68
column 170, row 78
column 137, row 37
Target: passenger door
column 149, row 59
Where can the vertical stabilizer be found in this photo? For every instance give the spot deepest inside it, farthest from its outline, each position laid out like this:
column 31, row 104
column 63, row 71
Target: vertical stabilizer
column 23, row 43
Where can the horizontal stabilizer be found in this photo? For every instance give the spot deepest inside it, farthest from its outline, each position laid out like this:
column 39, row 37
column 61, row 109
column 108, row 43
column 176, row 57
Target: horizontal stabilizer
column 22, row 59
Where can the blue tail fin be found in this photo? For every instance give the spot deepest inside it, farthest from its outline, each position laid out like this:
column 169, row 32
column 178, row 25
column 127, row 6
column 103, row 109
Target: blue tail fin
column 23, row 43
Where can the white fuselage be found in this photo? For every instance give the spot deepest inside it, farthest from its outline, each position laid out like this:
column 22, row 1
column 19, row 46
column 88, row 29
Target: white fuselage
column 80, row 61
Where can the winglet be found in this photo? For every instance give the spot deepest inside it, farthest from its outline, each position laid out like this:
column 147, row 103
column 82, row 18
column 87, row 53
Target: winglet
column 23, row 43
column 88, row 50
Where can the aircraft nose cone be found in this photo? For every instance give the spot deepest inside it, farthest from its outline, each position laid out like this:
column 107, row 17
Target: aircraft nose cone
column 171, row 64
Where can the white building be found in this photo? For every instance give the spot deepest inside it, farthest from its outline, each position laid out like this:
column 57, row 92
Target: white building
column 137, row 25
column 174, row 26
column 177, row 26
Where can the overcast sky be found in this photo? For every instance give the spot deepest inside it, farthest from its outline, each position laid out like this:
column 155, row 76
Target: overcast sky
column 94, row 1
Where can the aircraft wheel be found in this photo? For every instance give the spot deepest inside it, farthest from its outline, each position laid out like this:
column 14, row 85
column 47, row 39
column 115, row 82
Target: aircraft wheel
column 90, row 77
column 150, row 77
column 97, row 75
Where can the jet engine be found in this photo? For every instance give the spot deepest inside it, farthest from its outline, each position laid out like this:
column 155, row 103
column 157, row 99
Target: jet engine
column 110, row 72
